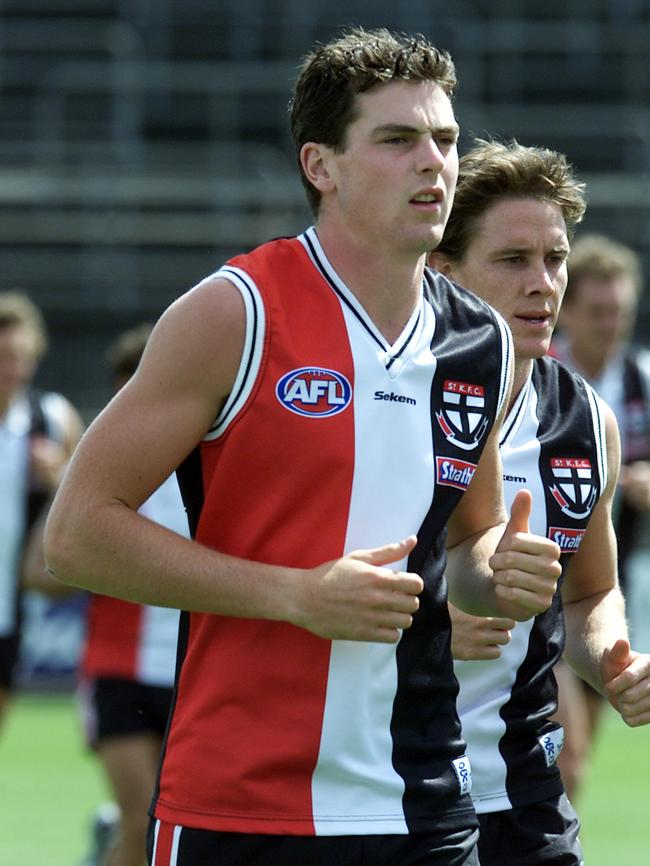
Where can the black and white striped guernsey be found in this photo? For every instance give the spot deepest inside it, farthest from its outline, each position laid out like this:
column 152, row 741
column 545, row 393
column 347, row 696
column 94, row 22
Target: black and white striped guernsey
column 553, row 444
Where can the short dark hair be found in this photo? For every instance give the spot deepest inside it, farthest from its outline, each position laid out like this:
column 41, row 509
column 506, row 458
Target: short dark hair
column 331, row 76
column 492, row 171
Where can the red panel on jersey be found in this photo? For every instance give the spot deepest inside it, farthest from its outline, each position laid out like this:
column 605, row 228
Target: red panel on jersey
column 228, row 765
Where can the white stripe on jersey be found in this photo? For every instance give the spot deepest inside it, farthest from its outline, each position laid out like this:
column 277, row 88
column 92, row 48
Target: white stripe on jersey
column 251, row 352
column 598, row 420
column 362, row 679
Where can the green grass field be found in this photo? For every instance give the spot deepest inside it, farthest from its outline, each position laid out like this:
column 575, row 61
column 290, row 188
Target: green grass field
column 50, row 786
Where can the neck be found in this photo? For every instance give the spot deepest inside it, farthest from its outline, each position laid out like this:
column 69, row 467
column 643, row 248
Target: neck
column 521, row 374
column 388, row 286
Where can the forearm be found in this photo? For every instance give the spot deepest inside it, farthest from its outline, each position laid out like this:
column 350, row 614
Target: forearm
column 116, row 551
column 593, row 624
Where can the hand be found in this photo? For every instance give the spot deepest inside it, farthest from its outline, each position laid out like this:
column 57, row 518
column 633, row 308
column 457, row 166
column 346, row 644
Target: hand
column 626, row 682
column 526, row 567
column 358, row 598
column 48, row 460
column 476, row 638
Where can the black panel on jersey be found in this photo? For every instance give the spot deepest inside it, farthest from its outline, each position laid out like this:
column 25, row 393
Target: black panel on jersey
column 190, row 484
column 425, row 752
column 566, row 431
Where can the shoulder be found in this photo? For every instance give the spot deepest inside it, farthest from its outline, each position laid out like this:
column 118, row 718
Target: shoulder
column 442, row 291
column 563, row 384
column 463, row 309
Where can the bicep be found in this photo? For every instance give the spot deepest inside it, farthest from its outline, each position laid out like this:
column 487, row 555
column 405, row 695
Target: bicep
column 167, row 406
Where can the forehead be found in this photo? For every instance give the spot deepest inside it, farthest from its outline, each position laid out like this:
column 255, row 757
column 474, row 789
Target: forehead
column 522, row 223
column 421, row 104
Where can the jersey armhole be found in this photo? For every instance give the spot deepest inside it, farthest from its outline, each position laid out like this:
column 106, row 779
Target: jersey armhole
column 600, row 436
column 252, row 352
column 507, row 360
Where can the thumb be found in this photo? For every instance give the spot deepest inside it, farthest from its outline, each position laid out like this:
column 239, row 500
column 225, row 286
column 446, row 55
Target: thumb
column 522, row 506
column 387, row 553
column 615, row 660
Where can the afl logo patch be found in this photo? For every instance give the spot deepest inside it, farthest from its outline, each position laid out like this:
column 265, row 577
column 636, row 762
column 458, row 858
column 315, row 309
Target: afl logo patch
column 314, row 392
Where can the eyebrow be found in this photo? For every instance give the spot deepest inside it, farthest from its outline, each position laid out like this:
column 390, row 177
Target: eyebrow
column 394, row 128
column 522, row 248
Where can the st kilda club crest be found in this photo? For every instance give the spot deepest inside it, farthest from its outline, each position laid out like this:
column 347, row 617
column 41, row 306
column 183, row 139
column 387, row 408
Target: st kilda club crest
column 574, row 489
column 462, row 417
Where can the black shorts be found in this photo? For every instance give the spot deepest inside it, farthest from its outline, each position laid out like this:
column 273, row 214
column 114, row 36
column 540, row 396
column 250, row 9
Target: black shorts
column 542, row 834
column 8, row 657
column 118, row 708
column 184, row 846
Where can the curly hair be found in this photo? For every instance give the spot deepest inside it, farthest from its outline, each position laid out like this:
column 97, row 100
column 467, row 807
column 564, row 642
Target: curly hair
column 492, row 171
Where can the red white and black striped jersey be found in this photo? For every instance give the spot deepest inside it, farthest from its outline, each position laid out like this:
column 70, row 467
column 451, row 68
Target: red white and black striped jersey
column 332, row 440
column 553, row 444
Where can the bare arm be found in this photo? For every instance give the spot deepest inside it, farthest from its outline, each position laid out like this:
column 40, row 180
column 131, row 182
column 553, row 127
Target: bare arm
column 34, row 574
column 597, row 646
column 96, row 539
column 496, row 567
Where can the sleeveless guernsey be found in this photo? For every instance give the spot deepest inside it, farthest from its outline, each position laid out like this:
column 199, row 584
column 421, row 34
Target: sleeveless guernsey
column 553, row 444
column 332, row 440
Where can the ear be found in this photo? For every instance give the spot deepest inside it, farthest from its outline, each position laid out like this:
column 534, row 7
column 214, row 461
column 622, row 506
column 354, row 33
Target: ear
column 440, row 262
column 314, row 159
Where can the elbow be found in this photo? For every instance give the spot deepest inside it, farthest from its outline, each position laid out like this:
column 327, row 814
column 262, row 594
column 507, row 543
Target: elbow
column 59, row 548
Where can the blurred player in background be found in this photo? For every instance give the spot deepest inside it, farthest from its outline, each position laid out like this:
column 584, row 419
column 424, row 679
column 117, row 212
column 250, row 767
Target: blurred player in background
column 126, row 669
column 507, row 239
column 38, row 433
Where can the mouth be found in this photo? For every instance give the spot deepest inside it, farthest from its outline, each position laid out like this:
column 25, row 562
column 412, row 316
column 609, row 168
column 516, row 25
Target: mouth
column 535, row 319
column 428, row 199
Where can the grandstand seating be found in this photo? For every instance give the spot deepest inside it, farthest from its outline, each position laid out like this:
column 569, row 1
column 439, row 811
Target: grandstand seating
column 142, row 141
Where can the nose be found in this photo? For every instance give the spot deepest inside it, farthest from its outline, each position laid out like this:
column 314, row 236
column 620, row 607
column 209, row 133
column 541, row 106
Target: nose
column 541, row 282
column 430, row 156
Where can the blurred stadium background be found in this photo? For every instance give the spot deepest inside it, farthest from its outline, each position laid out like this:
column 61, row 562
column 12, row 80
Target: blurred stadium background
column 143, row 141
